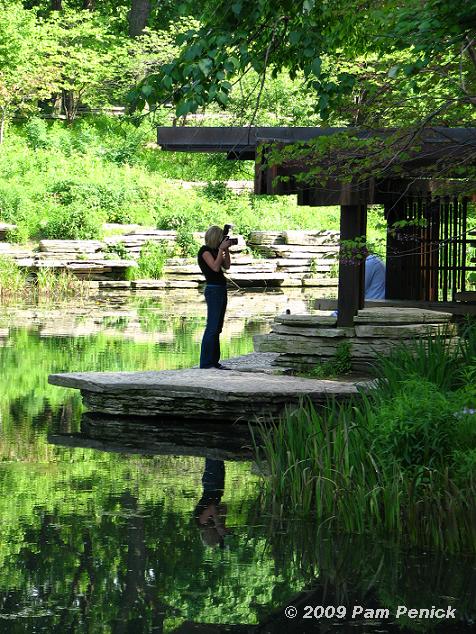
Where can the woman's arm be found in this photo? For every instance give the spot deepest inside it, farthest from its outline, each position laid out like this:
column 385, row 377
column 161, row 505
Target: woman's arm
column 223, row 256
column 226, row 259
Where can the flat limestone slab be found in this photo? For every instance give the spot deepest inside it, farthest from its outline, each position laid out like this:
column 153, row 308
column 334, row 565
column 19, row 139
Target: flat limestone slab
column 306, row 320
column 309, row 331
column 198, row 394
column 161, row 284
column 390, row 315
column 403, row 331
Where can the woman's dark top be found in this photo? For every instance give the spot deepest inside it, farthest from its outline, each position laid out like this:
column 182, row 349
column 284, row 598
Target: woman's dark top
column 212, row 277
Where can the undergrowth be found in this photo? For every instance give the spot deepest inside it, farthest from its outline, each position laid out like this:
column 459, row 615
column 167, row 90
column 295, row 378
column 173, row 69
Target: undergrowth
column 400, row 459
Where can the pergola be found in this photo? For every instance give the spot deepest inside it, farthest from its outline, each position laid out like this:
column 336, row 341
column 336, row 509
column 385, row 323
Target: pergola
column 427, row 260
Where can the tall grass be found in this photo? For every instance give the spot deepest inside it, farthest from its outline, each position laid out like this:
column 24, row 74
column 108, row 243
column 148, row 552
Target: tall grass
column 13, row 280
column 389, row 462
column 17, row 284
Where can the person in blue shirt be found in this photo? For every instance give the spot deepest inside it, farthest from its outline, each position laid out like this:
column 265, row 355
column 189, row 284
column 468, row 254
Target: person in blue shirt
column 374, row 277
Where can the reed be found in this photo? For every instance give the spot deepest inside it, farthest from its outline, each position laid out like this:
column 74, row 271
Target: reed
column 399, row 460
column 17, row 284
column 59, row 285
column 13, row 280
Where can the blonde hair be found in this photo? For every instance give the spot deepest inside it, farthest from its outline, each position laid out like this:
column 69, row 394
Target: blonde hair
column 213, row 237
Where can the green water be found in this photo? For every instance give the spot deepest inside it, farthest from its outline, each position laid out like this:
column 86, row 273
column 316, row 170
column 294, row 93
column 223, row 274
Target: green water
column 107, row 541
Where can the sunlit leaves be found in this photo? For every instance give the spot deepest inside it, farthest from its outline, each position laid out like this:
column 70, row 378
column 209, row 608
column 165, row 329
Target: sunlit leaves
column 347, row 55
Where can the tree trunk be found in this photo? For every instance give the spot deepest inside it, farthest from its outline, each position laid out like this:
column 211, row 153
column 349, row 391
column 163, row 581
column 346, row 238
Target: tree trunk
column 57, row 5
column 69, row 106
column 88, row 5
column 138, row 16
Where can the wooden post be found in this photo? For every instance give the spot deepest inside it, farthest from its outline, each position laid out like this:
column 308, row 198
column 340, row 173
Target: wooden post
column 353, row 223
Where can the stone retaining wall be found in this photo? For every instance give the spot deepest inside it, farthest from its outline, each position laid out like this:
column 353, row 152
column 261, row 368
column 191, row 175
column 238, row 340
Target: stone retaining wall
column 303, row 341
column 293, row 258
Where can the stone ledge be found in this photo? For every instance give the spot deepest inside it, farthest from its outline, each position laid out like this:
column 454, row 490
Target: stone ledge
column 390, row 315
column 194, row 393
column 306, row 320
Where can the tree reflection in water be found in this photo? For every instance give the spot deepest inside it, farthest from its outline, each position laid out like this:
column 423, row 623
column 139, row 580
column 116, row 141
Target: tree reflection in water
column 107, row 541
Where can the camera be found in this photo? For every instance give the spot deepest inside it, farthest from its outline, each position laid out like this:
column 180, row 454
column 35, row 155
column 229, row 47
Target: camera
column 226, row 229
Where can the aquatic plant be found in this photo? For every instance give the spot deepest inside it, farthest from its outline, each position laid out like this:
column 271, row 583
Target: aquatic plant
column 13, row 279
column 17, row 284
column 400, row 459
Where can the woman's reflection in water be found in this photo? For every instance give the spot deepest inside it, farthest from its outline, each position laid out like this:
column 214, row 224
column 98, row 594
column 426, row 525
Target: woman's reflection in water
column 209, row 514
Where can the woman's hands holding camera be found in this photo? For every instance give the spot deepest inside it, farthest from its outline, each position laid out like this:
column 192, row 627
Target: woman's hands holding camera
column 225, row 244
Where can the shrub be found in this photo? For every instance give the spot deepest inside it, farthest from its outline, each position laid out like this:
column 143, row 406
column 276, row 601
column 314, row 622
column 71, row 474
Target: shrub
column 118, row 250
column 117, row 202
column 36, row 133
column 217, row 191
column 74, row 222
column 415, row 428
column 127, row 150
column 464, row 467
column 185, row 242
column 10, row 202
column 152, row 260
column 341, row 363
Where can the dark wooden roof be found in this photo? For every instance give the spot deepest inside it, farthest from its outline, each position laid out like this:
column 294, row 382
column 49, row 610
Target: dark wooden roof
column 241, row 142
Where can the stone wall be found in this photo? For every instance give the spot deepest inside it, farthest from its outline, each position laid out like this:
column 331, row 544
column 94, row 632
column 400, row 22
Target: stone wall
column 303, row 341
column 288, row 258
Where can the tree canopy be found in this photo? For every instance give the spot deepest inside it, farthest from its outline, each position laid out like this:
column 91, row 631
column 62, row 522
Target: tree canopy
column 373, row 63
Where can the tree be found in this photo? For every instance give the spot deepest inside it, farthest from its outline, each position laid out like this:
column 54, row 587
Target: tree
column 350, row 57
column 26, row 69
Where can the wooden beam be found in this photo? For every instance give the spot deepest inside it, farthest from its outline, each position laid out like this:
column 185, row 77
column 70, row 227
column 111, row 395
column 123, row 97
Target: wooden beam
column 353, row 224
column 435, row 143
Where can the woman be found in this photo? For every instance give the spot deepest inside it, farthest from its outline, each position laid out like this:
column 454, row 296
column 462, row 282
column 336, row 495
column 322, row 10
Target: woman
column 212, row 258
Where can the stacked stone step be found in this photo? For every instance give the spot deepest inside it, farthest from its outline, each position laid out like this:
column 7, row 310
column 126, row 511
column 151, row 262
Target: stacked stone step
column 295, row 258
column 135, row 239
column 85, row 258
column 5, row 229
column 21, row 255
column 303, row 341
column 309, row 256
column 245, row 270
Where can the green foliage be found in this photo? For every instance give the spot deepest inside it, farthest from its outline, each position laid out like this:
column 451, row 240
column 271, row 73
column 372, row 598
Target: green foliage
column 73, row 222
column 13, row 280
column 27, row 72
column 416, row 427
column 340, row 365
column 399, row 460
column 353, row 251
column 436, row 359
column 58, row 286
column 17, row 284
column 152, row 260
column 36, row 133
column 417, row 57
column 76, row 182
column 186, row 243
column 119, row 250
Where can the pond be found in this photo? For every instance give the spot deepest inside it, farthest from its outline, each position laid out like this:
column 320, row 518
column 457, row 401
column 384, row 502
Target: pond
column 110, row 527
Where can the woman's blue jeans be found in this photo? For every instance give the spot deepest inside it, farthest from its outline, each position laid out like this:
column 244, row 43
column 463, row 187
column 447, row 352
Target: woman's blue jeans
column 216, row 298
